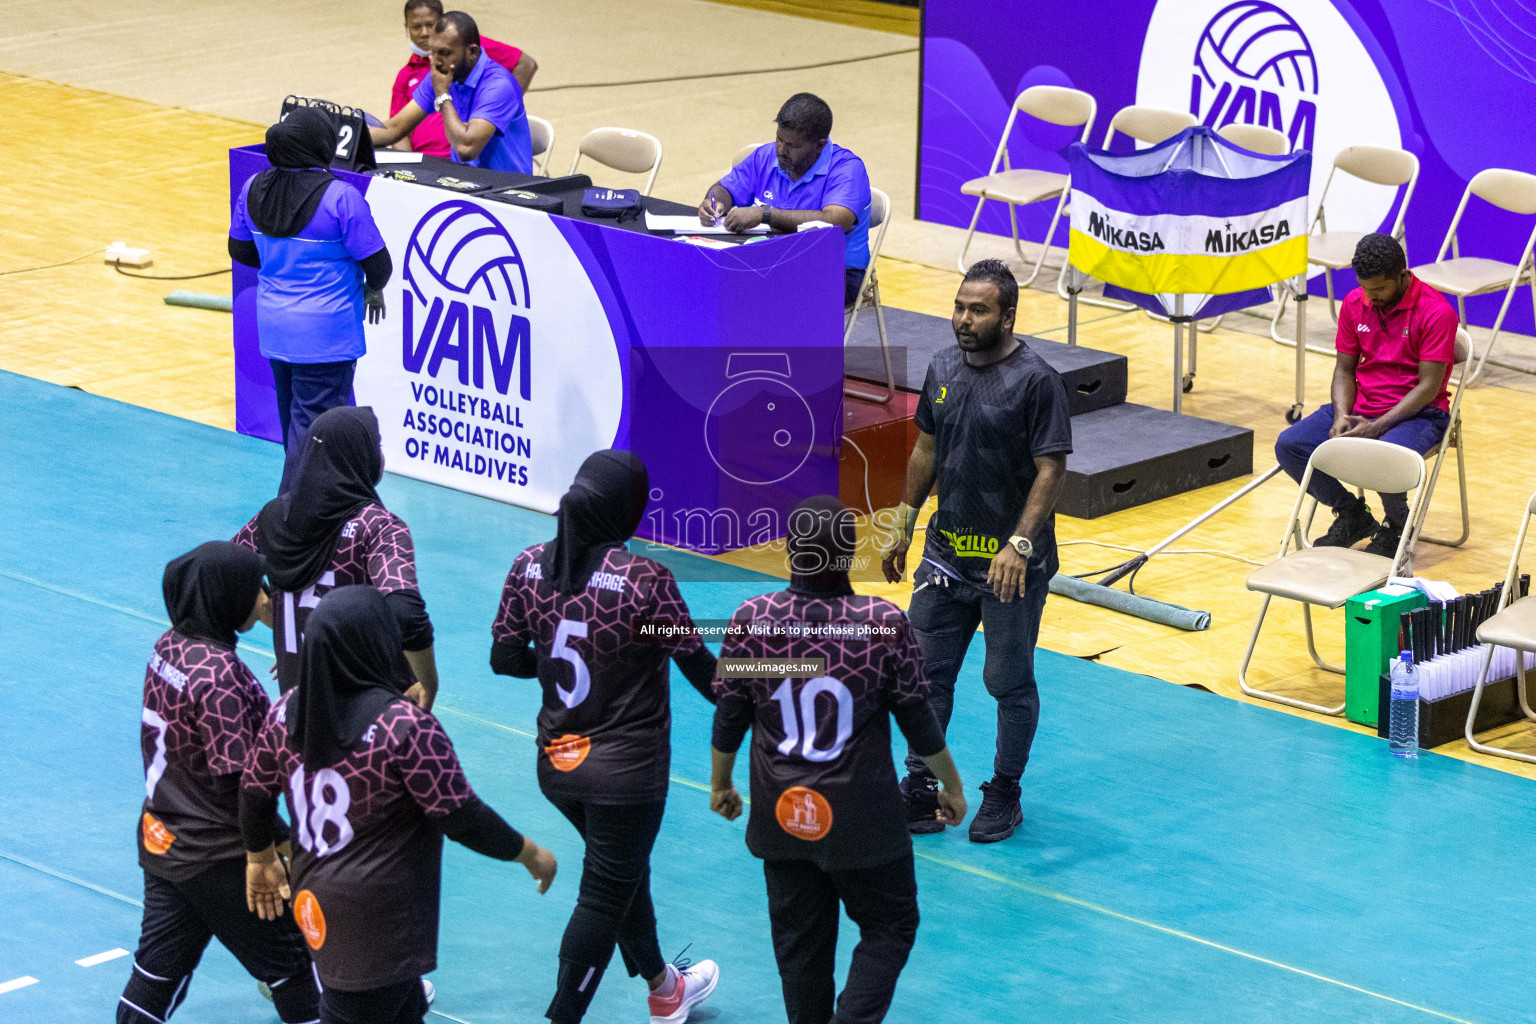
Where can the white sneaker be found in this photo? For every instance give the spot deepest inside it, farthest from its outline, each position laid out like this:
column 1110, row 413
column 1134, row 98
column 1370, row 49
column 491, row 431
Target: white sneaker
column 694, row 984
column 429, row 991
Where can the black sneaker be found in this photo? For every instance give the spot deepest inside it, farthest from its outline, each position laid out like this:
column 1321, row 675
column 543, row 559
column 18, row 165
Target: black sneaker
column 922, row 796
column 1000, row 812
column 1351, row 525
column 1385, row 540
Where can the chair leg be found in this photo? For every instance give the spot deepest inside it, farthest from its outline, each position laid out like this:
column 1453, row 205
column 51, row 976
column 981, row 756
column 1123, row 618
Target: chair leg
column 975, row 217
column 1242, row 671
column 1477, row 698
column 1461, row 480
column 885, row 349
column 1274, row 323
column 1498, row 323
column 1333, row 302
column 1045, row 246
column 1326, row 666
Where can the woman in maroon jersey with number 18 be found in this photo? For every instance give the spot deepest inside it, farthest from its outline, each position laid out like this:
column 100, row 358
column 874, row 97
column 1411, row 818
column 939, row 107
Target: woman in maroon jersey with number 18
column 373, row 786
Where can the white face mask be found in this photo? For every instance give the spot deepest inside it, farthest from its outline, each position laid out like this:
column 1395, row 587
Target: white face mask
column 418, row 51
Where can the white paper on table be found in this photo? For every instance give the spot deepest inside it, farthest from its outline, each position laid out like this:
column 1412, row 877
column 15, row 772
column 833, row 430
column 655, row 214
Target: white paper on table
column 396, row 156
column 688, row 224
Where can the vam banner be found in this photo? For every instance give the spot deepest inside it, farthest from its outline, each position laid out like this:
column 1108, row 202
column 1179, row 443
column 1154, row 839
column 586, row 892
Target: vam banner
column 495, row 370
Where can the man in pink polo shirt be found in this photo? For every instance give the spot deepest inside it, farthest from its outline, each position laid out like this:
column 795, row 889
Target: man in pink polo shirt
column 1396, row 344
column 420, row 17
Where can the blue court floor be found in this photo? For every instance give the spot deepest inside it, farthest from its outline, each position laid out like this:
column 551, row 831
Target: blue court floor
column 1184, row 858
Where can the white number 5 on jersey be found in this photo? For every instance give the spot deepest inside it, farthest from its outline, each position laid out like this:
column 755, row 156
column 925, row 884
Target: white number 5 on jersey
column 563, row 632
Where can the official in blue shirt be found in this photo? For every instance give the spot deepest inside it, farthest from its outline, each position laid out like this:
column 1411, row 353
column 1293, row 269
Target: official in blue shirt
column 481, row 103
column 798, row 177
column 320, row 262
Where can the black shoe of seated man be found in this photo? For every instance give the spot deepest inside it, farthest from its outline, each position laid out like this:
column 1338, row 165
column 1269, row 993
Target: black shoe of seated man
column 1385, row 540
column 1000, row 812
column 922, row 796
column 1351, row 524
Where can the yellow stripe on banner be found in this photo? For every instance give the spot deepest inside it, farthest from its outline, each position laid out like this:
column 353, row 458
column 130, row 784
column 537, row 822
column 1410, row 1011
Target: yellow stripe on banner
column 1177, row 274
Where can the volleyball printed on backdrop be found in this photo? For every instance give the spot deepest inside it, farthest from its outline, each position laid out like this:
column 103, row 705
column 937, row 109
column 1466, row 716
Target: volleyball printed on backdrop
column 1297, row 66
column 1194, row 215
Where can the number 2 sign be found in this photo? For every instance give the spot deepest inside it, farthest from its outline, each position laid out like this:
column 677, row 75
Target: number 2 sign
column 354, row 146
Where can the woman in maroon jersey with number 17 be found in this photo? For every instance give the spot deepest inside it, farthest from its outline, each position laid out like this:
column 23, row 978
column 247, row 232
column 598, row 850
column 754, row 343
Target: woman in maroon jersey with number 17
column 331, row 529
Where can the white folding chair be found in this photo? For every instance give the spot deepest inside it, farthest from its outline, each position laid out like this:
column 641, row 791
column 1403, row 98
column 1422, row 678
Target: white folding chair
column 1024, row 186
column 869, row 295
column 1328, row 577
column 1256, row 138
column 741, row 154
column 1466, row 276
column 1514, row 626
column 542, row 134
column 1148, row 126
column 623, row 149
column 1454, row 438
column 1335, row 250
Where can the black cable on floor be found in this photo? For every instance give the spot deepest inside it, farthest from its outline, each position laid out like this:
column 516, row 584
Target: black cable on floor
column 28, row 270
column 174, row 277
column 722, row 74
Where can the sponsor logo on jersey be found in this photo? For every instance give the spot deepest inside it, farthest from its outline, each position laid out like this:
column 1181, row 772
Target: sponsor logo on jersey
column 310, row 919
column 157, row 840
column 567, row 752
column 970, row 545
column 804, row 813
column 173, row 676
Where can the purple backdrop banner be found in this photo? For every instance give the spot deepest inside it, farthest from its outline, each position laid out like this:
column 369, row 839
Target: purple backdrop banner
column 517, row 343
column 1452, row 81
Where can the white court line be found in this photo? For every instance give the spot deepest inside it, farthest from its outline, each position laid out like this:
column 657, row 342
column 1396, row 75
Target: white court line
column 101, row 958
column 16, row 983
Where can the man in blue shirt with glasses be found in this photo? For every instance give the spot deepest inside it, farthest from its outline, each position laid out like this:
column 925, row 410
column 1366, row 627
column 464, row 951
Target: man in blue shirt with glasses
column 800, row 176
column 481, row 103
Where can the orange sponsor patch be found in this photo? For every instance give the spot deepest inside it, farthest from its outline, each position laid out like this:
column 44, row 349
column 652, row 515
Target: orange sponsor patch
column 156, row 839
column 306, row 912
column 804, row 813
column 567, row 752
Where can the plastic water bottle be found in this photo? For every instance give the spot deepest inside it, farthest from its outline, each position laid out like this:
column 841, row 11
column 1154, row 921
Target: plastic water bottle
column 1403, row 724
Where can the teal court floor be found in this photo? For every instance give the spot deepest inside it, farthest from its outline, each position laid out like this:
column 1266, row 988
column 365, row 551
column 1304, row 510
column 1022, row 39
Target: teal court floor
column 1184, row 858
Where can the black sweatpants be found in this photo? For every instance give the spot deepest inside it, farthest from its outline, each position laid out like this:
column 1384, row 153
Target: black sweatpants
column 402, row 1003
column 803, row 908
column 179, row 920
column 613, row 905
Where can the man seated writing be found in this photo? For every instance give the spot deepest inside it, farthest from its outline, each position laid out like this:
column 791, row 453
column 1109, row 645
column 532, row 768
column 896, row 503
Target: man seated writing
column 420, row 19
column 1396, row 343
column 800, row 176
column 480, row 101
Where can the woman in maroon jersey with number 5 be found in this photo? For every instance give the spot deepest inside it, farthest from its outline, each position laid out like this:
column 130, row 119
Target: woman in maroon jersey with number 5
column 569, row 615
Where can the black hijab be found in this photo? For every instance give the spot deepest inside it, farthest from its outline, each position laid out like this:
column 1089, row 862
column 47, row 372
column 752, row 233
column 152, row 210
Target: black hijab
column 300, row 147
column 211, row 590
column 340, row 467
column 821, row 544
column 599, row 512
column 348, row 674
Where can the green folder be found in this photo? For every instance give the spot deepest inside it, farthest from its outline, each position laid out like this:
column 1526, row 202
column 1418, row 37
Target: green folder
column 1370, row 642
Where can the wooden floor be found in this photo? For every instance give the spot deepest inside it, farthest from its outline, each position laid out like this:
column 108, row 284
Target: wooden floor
column 158, row 176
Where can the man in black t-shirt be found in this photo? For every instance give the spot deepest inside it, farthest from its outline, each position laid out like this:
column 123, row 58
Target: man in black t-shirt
column 994, row 432
column 827, row 816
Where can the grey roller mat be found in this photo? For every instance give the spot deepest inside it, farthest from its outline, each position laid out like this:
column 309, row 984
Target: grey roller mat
column 1141, row 607
column 217, row 303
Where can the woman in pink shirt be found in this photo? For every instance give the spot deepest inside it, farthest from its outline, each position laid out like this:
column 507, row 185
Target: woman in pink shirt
column 1396, row 343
